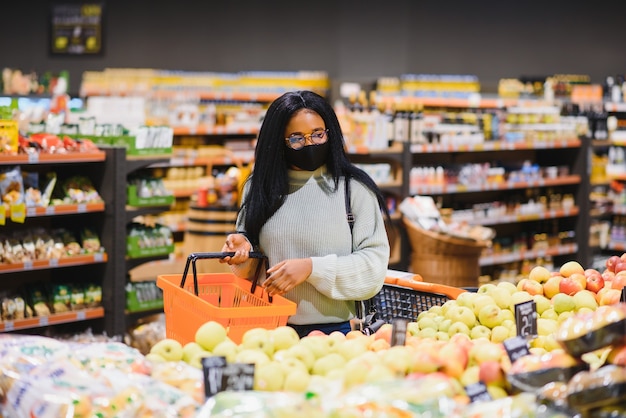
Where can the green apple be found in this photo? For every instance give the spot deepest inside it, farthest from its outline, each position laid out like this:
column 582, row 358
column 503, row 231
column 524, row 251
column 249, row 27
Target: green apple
column 507, row 314
column 547, row 326
column 302, row 353
column 562, row 302
column 297, row 381
column 542, row 303
column 549, row 313
column 510, row 287
column 284, row 337
column 520, row 296
column 442, row 336
column 252, row 356
column 412, row 328
column 501, row 296
column 169, row 349
column 485, row 288
column 355, row 372
column 466, row 299
column 379, row 373
column 486, row 351
column 258, row 339
column 210, row 334
column 436, row 310
column 318, row 344
column 585, row 299
column 481, row 300
column 427, row 322
column 427, row 333
column 398, row 358
column 290, row 364
column 444, row 325
column 190, row 349
column 269, row 377
column 155, row 358
column 196, row 359
column 447, row 305
column 490, row 316
column 480, row 331
column 470, row 375
column 499, row 333
column 462, row 314
column 352, row 348
column 458, row 328
column 227, row 348
column 328, row 362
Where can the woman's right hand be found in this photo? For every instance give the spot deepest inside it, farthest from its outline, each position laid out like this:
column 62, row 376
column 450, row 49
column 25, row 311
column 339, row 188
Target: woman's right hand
column 238, row 244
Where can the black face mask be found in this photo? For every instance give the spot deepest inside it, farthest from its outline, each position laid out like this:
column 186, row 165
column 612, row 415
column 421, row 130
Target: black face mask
column 309, row 158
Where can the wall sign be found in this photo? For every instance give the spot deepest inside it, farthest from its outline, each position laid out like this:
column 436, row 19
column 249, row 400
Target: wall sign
column 76, row 29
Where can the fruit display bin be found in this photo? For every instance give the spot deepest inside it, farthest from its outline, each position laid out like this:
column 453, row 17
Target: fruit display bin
column 442, row 258
column 236, row 303
column 405, row 298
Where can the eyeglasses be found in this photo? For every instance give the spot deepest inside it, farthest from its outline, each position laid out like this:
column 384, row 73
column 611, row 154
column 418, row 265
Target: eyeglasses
column 299, row 141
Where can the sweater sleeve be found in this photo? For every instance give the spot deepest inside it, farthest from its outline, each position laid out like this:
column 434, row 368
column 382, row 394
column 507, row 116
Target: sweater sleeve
column 361, row 274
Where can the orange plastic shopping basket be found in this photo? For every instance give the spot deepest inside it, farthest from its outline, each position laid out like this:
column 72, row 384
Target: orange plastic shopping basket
column 238, row 304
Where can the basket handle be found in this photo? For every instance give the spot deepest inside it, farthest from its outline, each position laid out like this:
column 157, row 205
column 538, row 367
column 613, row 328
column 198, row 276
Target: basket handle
column 193, row 257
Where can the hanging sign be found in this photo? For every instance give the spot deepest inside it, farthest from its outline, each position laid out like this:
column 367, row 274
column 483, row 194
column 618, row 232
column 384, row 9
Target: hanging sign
column 76, row 29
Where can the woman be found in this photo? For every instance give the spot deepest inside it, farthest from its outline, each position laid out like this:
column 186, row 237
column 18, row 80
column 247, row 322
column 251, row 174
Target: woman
column 294, row 211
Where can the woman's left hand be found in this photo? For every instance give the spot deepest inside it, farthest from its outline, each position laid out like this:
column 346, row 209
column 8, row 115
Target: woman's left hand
column 284, row 276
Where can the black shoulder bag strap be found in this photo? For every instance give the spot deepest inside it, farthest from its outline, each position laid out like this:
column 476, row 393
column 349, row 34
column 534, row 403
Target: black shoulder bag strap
column 368, row 323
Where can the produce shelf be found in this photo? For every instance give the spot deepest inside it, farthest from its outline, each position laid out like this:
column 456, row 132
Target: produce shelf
column 59, row 318
column 38, row 158
column 54, row 263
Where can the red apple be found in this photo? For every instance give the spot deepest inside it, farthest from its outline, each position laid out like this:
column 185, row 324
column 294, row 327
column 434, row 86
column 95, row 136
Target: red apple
column 610, row 297
column 619, row 281
column 595, row 282
column 531, row 286
column 570, row 285
column 490, row 372
column 611, row 262
column 620, row 266
column 589, row 272
column 608, row 275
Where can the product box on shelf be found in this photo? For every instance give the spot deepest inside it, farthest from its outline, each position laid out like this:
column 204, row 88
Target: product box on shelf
column 134, row 199
column 143, row 296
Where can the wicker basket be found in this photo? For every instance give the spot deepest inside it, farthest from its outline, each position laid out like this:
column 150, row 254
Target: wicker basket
column 444, row 259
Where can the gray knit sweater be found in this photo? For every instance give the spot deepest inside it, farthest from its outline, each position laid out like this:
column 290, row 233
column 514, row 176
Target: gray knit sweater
column 312, row 223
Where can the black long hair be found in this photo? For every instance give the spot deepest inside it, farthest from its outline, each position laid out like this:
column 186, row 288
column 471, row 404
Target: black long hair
column 269, row 185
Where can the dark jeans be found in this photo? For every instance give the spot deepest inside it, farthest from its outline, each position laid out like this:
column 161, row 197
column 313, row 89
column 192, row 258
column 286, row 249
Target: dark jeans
column 303, row 330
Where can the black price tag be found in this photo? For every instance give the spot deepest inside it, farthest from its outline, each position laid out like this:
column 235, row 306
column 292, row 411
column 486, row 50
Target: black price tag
column 623, row 297
column 477, row 392
column 398, row 331
column 526, row 318
column 212, row 368
column 516, row 347
column 238, row 377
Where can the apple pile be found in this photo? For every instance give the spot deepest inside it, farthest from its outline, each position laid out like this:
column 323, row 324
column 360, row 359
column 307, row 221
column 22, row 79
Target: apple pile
column 285, row 362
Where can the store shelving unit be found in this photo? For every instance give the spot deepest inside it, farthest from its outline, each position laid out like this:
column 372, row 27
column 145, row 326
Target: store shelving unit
column 80, row 268
column 117, row 217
